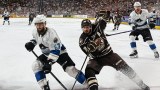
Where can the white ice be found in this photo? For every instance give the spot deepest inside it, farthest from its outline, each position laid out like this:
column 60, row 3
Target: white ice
column 15, row 61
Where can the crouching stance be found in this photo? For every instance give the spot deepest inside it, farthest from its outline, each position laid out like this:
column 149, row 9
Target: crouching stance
column 52, row 51
column 93, row 43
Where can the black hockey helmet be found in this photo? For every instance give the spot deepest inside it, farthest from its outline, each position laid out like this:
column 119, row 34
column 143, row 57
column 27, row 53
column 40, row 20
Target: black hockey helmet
column 86, row 22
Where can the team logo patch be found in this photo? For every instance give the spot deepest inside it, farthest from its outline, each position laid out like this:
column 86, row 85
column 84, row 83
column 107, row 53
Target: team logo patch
column 57, row 46
column 55, row 40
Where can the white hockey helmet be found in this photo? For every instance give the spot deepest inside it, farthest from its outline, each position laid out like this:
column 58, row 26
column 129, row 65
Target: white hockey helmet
column 40, row 19
column 136, row 4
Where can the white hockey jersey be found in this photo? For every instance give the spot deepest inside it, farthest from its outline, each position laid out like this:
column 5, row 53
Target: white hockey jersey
column 6, row 14
column 49, row 43
column 141, row 20
column 153, row 16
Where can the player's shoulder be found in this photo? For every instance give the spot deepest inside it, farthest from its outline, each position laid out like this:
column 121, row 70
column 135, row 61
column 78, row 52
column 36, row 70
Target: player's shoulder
column 83, row 36
column 50, row 30
column 145, row 11
column 34, row 31
column 132, row 13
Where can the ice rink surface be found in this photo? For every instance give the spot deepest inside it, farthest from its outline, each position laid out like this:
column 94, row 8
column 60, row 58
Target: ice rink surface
column 15, row 61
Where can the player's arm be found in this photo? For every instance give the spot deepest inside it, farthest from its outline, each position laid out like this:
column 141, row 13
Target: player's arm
column 31, row 44
column 131, row 21
column 55, row 47
column 101, row 23
column 151, row 19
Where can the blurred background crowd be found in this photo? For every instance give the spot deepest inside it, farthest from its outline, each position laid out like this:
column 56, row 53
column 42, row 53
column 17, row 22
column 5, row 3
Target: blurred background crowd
column 73, row 7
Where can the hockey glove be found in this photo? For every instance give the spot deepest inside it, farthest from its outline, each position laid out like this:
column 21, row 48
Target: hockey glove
column 30, row 45
column 43, row 58
column 134, row 27
column 137, row 38
column 152, row 25
column 47, row 64
column 47, row 67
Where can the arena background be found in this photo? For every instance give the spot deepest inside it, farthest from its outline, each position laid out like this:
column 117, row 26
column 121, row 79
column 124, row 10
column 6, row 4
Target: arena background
column 74, row 8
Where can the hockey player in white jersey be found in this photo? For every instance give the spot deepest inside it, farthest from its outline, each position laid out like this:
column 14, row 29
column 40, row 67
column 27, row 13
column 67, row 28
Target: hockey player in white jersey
column 140, row 26
column 52, row 51
column 153, row 16
column 6, row 17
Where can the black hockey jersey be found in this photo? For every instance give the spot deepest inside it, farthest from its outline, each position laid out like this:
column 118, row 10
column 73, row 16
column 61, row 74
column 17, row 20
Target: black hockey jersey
column 87, row 42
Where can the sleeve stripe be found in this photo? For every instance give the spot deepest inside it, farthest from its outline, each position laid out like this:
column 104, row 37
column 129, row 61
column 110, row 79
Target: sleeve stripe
column 56, row 52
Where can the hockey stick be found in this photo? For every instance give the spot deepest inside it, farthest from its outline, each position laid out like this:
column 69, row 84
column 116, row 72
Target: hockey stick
column 79, row 73
column 52, row 73
column 119, row 33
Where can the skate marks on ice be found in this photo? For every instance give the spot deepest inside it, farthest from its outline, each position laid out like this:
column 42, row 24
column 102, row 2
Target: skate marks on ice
column 4, row 86
column 18, row 85
column 116, row 88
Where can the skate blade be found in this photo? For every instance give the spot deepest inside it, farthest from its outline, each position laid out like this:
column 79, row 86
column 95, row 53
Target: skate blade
column 156, row 58
column 132, row 57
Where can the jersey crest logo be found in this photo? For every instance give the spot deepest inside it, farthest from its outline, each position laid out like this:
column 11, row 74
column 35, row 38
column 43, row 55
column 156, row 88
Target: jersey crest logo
column 57, row 46
column 139, row 20
column 55, row 40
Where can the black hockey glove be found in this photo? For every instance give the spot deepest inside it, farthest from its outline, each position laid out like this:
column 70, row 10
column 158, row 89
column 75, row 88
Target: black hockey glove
column 30, row 45
column 152, row 25
column 137, row 38
column 134, row 27
column 47, row 67
column 47, row 64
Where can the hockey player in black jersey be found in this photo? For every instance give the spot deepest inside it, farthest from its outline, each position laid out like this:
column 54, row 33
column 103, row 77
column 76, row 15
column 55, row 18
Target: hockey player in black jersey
column 117, row 20
column 31, row 17
column 94, row 44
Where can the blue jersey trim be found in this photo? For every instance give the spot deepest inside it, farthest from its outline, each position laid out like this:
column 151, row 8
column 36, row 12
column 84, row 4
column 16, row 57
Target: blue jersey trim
column 40, row 75
column 56, row 52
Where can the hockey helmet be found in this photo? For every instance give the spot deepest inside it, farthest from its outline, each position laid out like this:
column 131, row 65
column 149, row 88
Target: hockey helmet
column 40, row 19
column 86, row 22
column 136, row 4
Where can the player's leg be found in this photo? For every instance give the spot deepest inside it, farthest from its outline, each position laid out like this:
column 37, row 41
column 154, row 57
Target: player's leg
column 114, row 26
column 40, row 75
column 4, row 20
column 119, row 64
column 69, row 67
column 118, row 25
column 92, row 68
column 132, row 36
column 148, row 38
column 8, row 20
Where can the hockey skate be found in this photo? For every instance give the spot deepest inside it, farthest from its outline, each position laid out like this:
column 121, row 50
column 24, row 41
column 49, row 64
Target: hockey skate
column 144, row 87
column 134, row 54
column 46, row 87
column 156, row 54
column 8, row 23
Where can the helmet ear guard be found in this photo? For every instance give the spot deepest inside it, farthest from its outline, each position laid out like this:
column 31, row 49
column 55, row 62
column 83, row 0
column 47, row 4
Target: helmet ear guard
column 86, row 22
